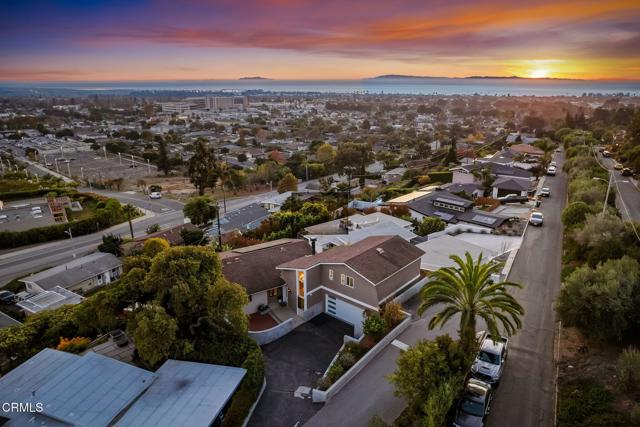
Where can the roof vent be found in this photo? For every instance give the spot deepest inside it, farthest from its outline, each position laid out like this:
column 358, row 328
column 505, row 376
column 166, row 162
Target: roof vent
column 380, row 250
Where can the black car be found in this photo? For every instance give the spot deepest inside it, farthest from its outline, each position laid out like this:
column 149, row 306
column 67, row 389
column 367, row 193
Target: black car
column 119, row 338
column 626, row 172
column 7, row 297
column 473, row 407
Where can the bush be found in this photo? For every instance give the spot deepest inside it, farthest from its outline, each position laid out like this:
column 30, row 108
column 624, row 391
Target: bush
column 324, row 383
column 153, row 228
column 602, row 301
column 335, row 372
column 440, row 177
column 73, row 345
column 192, row 237
column 392, row 314
column 374, row 326
column 154, row 246
column 346, row 360
column 575, row 214
column 628, row 371
column 355, row 348
column 249, row 389
column 581, row 399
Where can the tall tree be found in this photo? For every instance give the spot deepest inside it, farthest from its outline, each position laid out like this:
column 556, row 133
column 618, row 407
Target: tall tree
column 200, row 210
column 200, row 168
column 163, row 160
column 289, row 182
column 467, row 288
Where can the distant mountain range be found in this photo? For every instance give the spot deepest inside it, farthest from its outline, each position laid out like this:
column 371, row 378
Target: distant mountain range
column 253, row 78
column 404, row 76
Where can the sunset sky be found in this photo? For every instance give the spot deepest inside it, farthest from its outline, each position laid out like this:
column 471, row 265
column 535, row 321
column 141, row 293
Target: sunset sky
column 317, row 39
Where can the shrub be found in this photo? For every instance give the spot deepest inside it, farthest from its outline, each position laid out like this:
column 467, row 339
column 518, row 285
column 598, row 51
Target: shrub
column 335, row 372
column 249, row 390
column 581, row 399
column 153, row 228
column 154, row 246
column 355, row 348
column 575, row 214
column 628, row 371
column 441, row 177
column 192, row 237
column 346, row 360
column 324, row 383
column 73, row 345
column 374, row 326
column 430, row 225
column 392, row 314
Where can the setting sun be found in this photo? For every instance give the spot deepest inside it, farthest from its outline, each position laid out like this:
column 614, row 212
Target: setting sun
column 539, row 74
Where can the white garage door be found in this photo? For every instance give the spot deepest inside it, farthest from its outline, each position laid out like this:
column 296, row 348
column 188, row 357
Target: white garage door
column 346, row 312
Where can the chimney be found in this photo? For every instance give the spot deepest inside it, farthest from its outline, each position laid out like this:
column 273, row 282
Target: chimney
column 313, row 246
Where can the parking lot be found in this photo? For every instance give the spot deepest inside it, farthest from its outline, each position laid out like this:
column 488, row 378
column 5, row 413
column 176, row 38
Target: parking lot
column 25, row 214
column 95, row 167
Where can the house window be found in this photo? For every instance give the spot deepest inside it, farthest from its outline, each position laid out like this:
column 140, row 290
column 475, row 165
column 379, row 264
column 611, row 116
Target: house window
column 346, row 280
column 250, row 299
column 330, row 274
column 100, row 279
column 272, row 292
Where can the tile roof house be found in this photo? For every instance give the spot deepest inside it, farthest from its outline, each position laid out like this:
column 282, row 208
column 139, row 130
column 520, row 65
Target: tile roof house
column 254, row 267
column 94, row 390
column 346, row 281
column 79, row 275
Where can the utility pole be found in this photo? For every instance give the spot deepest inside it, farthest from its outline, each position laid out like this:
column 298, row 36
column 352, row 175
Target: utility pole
column 82, row 173
column 148, row 167
column 68, row 231
column 69, row 169
column 105, row 152
column 57, row 168
column 120, row 158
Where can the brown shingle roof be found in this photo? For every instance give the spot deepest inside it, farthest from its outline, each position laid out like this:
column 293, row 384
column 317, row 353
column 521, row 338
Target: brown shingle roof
column 254, row 267
column 375, row 257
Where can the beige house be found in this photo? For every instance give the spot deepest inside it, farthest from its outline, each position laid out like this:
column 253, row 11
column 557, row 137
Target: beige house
column 347, row 281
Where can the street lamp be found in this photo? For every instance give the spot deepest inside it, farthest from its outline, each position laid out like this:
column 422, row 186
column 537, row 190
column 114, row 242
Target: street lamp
column 71, row 239
column 606, row 198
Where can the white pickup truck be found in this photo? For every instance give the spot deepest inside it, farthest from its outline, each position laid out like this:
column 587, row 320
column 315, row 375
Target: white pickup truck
column 491, row 358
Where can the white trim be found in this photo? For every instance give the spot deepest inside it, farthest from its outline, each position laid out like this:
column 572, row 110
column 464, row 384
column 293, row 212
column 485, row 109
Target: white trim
column 329, row 263
column 341, row 295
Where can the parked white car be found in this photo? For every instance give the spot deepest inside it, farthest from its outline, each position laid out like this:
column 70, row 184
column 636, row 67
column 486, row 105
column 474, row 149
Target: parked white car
column 490, row 360
column 155, row 195
column 551, row 170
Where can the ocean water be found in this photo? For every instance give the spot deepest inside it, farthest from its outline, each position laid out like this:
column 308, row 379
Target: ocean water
column 423, row 86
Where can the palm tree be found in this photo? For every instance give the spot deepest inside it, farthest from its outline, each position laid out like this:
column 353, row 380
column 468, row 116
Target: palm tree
column 129, row 212
column 468, row 289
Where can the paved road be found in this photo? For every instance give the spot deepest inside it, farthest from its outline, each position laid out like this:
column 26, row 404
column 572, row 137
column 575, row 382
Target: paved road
column 627, row 192
column 525, row 397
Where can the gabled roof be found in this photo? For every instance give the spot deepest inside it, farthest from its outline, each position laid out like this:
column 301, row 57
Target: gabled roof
column 497, row 169
column 425, row 205
column 75, row 271
column 375, row 258
column 254, row 267
column 516, row 184
column 526, row 149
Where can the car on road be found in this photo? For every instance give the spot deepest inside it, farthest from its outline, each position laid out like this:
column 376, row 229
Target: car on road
column 155, row 195
column 7, row 297
column 545, row 192
column 618, row 166
column 513, row 198
column 119, row 338
column 490, row 360
column 551, row 170
column 536, row 218
column 474, row 405
column 554, row 164
column 626, row 172
column 558, row 150
column 606, row 153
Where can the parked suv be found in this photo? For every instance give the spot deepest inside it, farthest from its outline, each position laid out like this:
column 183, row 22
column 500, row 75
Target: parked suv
column 7, row 297
column 119, row 338
column 536, row 218
column 474, row 406
column 490, row 360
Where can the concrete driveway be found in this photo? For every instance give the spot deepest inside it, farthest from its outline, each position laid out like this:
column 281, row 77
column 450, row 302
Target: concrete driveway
column 297, row 359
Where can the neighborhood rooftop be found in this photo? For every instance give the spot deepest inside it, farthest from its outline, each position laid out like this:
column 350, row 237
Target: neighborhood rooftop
column 375, row 257
column 74, row 271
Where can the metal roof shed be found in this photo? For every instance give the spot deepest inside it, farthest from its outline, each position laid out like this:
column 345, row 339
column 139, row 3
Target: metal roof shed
column 185, row 394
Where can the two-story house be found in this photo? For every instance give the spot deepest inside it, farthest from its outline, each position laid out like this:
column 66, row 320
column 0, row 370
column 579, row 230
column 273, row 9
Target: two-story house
column 347, row 281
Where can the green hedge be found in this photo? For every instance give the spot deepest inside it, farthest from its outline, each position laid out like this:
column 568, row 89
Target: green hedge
column 249, row 390
column 28, row 194
column 103, row 218
column 441, row 177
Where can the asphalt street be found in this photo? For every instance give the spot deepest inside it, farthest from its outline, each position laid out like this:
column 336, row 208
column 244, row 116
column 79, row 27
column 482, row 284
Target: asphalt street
column 627, row 192
column 525, row 397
